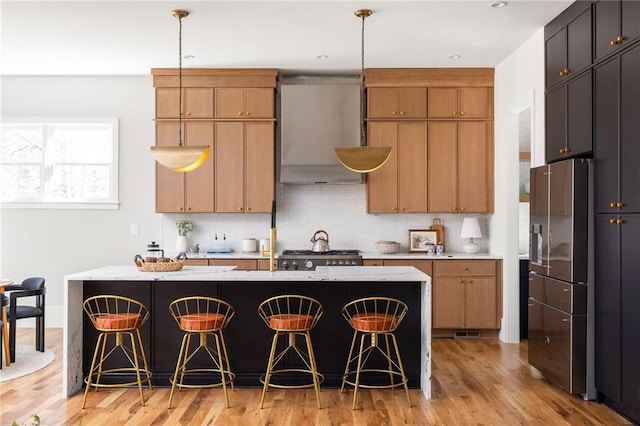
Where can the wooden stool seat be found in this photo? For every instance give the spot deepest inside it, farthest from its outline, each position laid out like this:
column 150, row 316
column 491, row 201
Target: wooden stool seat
column 291, row 322
column 291, row 316
column 207, row 321
column 374, row 322
column 205, row 318
column 120, row 317
column 374, row 319
column 123, row 321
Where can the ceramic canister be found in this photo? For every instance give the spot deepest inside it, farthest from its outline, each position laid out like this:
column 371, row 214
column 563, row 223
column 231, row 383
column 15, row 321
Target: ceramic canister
column 248, row 245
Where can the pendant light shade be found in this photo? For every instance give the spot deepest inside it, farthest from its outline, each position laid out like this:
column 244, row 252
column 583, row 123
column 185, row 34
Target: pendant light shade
column 363, row 159
column 180, row 158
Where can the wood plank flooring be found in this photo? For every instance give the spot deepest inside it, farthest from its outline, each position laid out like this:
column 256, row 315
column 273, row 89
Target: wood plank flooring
column 480, row 382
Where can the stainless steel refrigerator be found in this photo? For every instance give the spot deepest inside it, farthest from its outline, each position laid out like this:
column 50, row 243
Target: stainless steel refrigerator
column 558, row 269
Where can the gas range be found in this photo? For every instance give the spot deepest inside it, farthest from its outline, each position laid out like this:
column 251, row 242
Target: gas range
column 291, row 260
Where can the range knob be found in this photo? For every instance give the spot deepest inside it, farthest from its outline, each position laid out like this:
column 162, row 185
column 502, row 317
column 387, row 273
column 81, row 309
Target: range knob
column 294, row 265
column 327, row 263
column 285, row 265
column 308, row 264
column 353, row 263
column 340, row 262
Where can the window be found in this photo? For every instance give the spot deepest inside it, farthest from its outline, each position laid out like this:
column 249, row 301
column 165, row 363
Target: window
column 59, row 163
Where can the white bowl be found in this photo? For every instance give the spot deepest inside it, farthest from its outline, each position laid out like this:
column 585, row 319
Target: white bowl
column 387, row 247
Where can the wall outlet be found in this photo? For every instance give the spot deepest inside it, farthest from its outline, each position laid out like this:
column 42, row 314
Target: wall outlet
column 135, row 231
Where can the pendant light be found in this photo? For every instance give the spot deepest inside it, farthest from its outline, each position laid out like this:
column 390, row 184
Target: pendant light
column 180, row 158
column 363, row 159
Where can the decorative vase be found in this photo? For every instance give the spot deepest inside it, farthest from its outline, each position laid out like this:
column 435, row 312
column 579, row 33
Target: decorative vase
column 182, row 244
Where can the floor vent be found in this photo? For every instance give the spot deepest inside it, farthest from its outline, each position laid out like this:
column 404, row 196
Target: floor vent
column 466, row 334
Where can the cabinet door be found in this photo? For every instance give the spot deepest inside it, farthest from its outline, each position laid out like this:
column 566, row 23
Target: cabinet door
column 167, row 102
column 199, row 182
column 443, row 102
column 448, row 302
column 606, row 124
column 579, row 42
column 259, row 167
column 607, row 306
column 258, row 103
column 473, row 102
column 412, row 102
column 382, row 102
column 382, row 184
column 473, row 185
column 229, row 102
column 198, row 102
column 630, row 17
column 607, row 27
column 630, row 130
column 169, row 184
column 555, row 57
column 579, row 116
column 442, row 179
column 481, row 303
column 229, row 168
column 412, row 167
column 556, row 124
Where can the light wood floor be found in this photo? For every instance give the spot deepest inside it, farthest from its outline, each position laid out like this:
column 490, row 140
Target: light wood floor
column 481, row 382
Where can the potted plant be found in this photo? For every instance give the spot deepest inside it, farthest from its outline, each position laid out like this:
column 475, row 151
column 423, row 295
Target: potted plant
column 184, row 226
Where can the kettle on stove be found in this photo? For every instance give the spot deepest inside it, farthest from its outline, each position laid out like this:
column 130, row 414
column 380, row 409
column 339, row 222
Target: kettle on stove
column 320, row 242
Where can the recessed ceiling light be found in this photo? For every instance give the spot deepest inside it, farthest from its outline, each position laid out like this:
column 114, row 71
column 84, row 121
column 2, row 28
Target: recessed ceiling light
column 454, row 56
column 322, row 56
column 498, row 4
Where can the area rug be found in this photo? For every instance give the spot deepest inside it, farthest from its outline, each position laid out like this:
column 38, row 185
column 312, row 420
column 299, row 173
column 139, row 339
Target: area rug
column 28, row 360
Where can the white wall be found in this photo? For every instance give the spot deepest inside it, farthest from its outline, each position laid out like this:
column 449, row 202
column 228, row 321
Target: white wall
column 519, row 83
column 53, row 243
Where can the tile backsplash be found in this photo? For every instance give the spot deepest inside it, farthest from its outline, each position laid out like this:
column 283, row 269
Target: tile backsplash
column 340, row 210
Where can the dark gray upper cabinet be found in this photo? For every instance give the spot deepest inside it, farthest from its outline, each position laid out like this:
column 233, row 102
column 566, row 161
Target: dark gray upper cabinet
column 568, row 43
column 616, row 25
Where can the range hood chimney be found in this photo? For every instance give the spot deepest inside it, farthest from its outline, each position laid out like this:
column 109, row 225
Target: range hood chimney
column 318, row 114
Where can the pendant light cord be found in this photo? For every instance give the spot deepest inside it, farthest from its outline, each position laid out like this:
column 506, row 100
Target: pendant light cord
column 180, row 80
column 363, row 135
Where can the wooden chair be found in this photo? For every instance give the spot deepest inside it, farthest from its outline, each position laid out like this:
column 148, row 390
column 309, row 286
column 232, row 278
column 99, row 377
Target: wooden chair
column 117, row 316
column 203, row 317
column 373, row 317
column 291, row 316
column 31, row 287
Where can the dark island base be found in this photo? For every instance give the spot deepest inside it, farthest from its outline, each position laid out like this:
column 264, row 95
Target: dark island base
column 248, row 338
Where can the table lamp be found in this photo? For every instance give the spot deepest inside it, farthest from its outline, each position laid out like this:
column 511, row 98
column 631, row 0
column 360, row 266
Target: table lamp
column 471, row 230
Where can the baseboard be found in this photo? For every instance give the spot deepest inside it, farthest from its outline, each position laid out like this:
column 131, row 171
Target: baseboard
column 465, row 334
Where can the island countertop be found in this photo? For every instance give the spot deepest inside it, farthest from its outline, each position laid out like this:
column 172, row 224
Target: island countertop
column 227, row 273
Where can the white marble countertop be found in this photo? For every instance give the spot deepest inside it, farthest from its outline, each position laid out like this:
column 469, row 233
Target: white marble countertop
column 232, row 255
column 365, row 255
column 227, row 273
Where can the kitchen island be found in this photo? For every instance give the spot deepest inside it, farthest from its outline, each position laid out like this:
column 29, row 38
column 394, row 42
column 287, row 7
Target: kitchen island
column 248, row 339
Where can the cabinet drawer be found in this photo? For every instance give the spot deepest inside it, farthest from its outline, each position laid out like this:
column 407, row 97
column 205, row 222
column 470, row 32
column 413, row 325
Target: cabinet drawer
column 240, row 264
column 263, row 264
column 373, row 262
column 464, row 268
column 571, row 298
column 421, row 264
column 196, row 262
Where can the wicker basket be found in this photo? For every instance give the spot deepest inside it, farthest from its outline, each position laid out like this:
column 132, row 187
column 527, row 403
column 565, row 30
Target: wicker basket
column 174, row 265
column 387, row 247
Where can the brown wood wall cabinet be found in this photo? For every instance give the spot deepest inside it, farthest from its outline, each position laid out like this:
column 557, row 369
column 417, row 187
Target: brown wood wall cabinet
column 232, row 110
column 440, row 125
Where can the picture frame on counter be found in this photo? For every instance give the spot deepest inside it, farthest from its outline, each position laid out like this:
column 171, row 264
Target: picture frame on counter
column 421, row 239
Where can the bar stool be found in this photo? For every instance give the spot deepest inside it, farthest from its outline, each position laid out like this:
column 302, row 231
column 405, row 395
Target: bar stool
column 291, row 315
column 202, row 316
column 373, row 317
column 117, row 316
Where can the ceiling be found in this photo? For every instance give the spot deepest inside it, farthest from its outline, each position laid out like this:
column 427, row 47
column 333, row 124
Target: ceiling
column 130, row 38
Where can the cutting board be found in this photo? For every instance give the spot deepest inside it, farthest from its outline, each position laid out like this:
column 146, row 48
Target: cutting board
column 439, row 228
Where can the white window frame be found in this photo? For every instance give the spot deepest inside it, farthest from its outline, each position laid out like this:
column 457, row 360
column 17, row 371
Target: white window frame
column 111, row 204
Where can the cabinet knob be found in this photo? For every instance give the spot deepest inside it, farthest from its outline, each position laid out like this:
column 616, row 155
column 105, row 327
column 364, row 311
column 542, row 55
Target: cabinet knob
column 612, row 204
column 188, row 208
column 461, row 209
column 393, row 113
column 612, row 221
column 613, row 42
column 619, row 39
column 461, row 112
column 619, row 204
column 394, row 208
column 454, row 113
column 454, row 208
column 247, row 113
column 248, row 208
column 619, row 221
column 239, row 113
column 401, row 113
column 401, row 209
column 466, row 269
column 188, row 114
column 239, row 209
column 470, row 281
column 180, row 208
column 565, row 319
column 461, row 281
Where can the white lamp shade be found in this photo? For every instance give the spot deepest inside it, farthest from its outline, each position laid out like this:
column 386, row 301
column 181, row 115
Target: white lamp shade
column 470, row 228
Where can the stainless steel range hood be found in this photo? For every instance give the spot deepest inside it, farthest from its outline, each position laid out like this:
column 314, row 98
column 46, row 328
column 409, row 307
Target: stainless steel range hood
column 317, row 114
